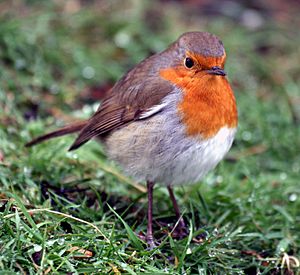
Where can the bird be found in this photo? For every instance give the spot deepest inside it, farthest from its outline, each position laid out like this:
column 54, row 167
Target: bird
column 169, row 120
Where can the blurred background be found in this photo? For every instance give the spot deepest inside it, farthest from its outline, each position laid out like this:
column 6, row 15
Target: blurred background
column 59, row 58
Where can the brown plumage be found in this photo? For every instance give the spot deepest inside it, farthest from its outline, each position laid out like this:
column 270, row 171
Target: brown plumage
column 128, row 100
column 139, row 90
column 69, row 129
column 170, row 119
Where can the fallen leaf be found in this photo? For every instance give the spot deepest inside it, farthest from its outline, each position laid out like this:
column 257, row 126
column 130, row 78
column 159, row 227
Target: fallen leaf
column 84, row 252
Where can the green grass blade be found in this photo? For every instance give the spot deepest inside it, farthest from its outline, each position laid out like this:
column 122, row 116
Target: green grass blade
column 135, row 240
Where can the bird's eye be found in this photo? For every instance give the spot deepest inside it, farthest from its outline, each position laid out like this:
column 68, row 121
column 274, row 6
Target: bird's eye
column 188, row 62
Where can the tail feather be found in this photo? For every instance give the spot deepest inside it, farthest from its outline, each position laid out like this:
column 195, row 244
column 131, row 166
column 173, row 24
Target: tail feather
column 69, row 129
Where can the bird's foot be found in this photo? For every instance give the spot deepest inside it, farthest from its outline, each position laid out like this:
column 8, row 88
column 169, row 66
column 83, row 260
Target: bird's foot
column 180, row 231
column 150, row 243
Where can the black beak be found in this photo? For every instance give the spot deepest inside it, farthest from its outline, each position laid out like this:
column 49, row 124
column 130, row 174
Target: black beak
column 217, row 71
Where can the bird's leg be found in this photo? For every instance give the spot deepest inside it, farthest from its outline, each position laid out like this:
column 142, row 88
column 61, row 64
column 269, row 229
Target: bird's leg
column 181, row 224
column 149, row 236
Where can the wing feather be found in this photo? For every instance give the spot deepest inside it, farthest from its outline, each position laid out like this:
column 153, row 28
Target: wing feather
column 138, row 95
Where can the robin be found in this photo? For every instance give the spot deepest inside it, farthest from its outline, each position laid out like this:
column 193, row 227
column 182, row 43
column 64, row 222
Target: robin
column 169, row 120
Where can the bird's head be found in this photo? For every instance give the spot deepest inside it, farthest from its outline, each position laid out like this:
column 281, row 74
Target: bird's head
column 196, row 67
column 194, row 54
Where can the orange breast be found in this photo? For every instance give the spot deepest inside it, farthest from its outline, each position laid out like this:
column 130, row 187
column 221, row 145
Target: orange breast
column 208, row 101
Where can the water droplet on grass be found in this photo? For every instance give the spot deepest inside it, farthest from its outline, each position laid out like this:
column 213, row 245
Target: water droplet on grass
column 246, row 136
column 283, row 176
column 251, row 198
column 293, row 197
column 27, row 171
column 54, row 89
column 88, row 72
column 189, row 251
column 20, row 64
column 61, row 241
column 72, row 155
column 122, row 39
column 219, row 179
column 37, row 248
column 51, row 242
column 212, row 254
column 100, row 174
column 215, row 232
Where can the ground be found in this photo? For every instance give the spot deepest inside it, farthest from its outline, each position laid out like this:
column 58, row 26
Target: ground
column 75, row 212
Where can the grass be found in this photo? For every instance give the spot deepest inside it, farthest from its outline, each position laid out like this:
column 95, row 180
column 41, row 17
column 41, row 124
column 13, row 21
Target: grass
column 74, row 212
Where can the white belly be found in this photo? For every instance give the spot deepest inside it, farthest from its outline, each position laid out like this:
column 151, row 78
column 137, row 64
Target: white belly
column 157, row 149
column 193, row 163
